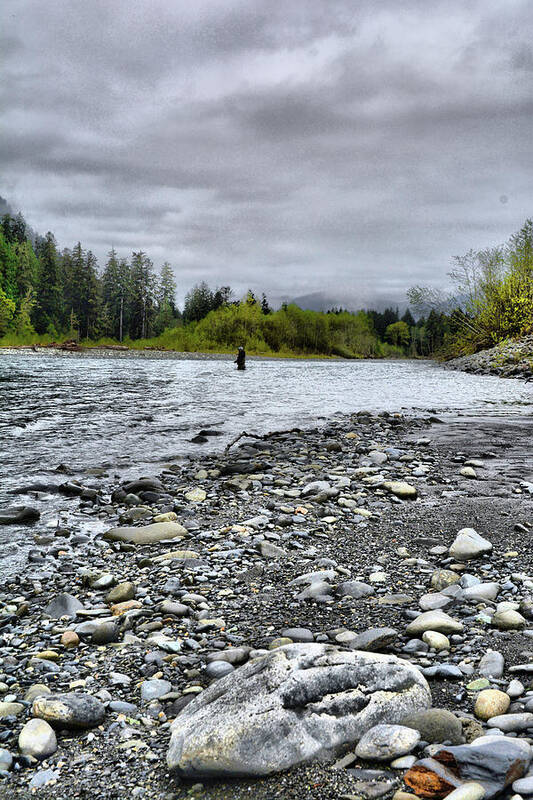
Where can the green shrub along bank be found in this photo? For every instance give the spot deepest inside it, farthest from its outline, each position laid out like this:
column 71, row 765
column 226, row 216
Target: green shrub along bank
column 491, row 300
column 287, row 332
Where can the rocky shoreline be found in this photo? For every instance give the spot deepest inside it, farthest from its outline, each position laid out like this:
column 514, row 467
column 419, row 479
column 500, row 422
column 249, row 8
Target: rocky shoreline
column 510, row 359
column 117, row 352
column 330, row 554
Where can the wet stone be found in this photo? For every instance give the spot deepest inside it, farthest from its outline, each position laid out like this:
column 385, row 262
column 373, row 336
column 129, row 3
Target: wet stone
column 71, row 710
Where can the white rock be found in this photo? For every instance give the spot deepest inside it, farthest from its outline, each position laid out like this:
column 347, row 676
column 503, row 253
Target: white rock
column 298, row 703
column 434, row 621
column 469, row 544
column 437, row 641
column 37, row 738
column 385, row 742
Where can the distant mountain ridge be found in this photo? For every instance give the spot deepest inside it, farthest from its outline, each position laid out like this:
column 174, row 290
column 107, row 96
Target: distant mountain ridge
column 323, row 301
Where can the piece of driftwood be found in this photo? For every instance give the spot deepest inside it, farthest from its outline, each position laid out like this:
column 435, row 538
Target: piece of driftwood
column 263, row 436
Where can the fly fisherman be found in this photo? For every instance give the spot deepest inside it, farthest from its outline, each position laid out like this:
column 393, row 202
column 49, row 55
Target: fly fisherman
column 241, row 358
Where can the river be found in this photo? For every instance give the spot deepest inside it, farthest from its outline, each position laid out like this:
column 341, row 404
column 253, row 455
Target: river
column 132, row 416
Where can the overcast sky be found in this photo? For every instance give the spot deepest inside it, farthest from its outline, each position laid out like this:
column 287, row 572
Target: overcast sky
column 351, row 146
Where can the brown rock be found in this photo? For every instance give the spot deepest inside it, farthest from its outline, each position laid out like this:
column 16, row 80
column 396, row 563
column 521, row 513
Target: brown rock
column 428, row 778
column 121, row 593
column 495, row 762
column 491, row 703
column 120, row 608
column 70, row 639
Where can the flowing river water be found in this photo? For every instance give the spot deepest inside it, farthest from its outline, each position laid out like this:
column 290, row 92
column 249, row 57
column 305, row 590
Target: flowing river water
column 132, row 416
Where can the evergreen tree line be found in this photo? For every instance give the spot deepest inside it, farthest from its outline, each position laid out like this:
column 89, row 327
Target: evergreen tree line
column 45, row 291
column 64, row 294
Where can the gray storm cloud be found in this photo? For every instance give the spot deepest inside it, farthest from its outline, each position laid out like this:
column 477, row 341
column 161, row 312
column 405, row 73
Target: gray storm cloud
column 316, row 145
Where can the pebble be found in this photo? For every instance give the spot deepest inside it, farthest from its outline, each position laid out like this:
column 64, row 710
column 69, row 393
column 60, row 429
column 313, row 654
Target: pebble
column 491, row 703
column 193, row 615
column 153, row 689
column 524, row 786
column 434, row 621
column 491, row 664
column 436, row 641
column 70, row 639
column 37, row 738
column 468, row 544
column 508, row 620
column 70, row 710
column 468, row 791
column 386, row 742
column 512, row 722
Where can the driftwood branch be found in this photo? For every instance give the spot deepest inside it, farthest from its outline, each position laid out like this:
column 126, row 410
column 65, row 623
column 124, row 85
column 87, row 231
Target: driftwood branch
column 263, row 437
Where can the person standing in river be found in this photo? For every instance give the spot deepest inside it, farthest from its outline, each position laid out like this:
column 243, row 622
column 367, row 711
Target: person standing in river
column 241, row 358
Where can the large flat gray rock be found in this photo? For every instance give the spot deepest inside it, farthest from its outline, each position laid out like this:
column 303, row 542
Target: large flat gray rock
column 297, row 703
column 147, row 534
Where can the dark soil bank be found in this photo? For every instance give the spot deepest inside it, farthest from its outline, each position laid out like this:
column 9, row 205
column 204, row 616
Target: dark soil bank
column 255, row 519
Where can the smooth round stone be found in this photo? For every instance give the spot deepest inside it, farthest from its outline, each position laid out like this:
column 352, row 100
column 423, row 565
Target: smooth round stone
column 153, row 689
column 70, row 710
column 43, row 777
column 298, row 634
column 37, row 738
column 196, row 495
column 508, row 620
column 70, row 640
column 515, row 689
column 468, row 791
column 10, row 709
column 434, row 621
column 436, row 725
column 121, row 707
column 437, row 641
column 103, row 581
column 6, row 760
column 507, row 605
column 404, row 762
column 401, row 489
column 524, row 786
column 491, row 703
column 512, row 722
column 37, row 690
column 433, row 601
column 478, row 685
column 63, row 605
column 468, row 580
column 169, row 516
column 105, row 632
column 174, row 609
column 234, row 655
column 121, row 593
column 281, row 641
column 491, row 665
column 482, row 591
column 386, row 742
column 217, row 669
